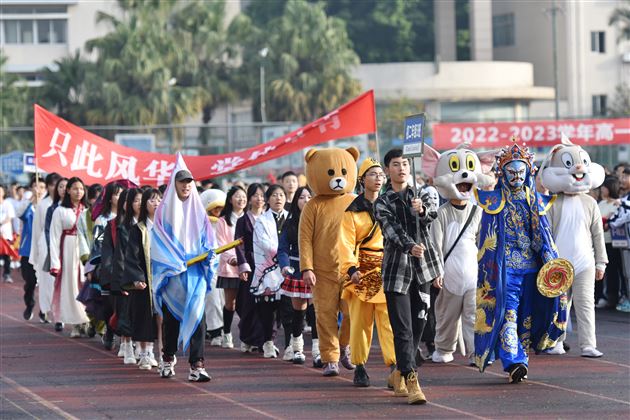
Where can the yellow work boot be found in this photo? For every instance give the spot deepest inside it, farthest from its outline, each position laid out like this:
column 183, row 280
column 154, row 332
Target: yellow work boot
column 415, row 394
column 396, row 381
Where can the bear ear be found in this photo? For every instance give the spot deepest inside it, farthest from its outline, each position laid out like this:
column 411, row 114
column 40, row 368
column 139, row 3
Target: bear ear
column 309, row 155
column 354, row 152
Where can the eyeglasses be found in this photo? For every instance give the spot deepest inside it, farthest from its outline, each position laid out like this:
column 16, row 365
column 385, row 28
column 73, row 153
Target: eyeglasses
column 376, row 175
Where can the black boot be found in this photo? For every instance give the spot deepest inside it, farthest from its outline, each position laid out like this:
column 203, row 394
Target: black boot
column 361, row 377
column 108, row 339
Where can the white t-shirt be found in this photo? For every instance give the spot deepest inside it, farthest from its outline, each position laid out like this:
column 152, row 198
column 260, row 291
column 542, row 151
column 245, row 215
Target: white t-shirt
column 7, row 214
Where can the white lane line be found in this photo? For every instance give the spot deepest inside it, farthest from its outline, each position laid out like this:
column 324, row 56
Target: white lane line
column 109, row 354
column 52, row 407
column 19, row 407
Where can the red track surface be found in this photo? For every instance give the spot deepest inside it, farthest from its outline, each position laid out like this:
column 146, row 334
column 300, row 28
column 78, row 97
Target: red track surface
column 44, row 374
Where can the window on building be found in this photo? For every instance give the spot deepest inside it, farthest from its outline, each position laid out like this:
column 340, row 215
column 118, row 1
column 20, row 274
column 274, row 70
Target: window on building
column 599, row 105
column 11, row 31
column 598, row 41
column 37, row 31
column 503, row 30
column 48, row 24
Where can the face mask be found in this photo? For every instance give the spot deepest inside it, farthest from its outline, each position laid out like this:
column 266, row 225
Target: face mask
column 515, row 173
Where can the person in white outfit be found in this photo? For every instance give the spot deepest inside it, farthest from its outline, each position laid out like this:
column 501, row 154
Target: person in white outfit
column 214, row 201
column 456, row 174
column 65, row 257
column 578, row 232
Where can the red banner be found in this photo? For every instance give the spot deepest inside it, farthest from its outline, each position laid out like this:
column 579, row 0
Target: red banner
column 534, row 133
column 71, row 151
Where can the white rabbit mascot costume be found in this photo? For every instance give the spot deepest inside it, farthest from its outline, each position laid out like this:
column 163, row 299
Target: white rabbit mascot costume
column 578, row 232
column 456, row 174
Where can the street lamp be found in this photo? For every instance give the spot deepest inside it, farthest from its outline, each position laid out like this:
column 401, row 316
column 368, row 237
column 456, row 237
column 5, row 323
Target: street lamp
column 263, row 107
column 171, row 82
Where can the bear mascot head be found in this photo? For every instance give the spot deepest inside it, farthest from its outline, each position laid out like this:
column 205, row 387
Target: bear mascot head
column 332, row 171
column 568, row 169
column 458, row 171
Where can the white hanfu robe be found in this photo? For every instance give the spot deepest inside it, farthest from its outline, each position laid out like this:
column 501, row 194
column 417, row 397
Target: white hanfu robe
column 65, row 258
column 39, row 251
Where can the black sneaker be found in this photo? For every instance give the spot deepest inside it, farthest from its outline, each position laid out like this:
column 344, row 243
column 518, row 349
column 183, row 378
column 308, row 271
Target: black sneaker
column 565, row 346
column 43, row 318
column 91, row 331
column 28, row 313
column 518, row 372
column 59, row 326
column 361, row 378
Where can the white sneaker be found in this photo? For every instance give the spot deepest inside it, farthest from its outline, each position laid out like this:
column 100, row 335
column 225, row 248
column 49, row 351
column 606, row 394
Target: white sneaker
column 591, row 352
column 315, row 353
column 557, row 349
column 269, row 350
column 246, row 348
column 298, row 350
column 121, row 349
column 151, row 358
column 145, row 362
column 288, row 352
column 76, row 331
column 217, row 342
column 227, row 342
column 439, row 357
column 168, row 369
column 129, row 358
column 198, row 374
column 136, row 351
column 601, row 303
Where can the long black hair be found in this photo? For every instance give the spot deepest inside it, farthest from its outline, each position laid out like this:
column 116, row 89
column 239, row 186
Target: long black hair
column 110, row 189
column 253, row 189
column 120, row 209
column 228, row 209
column 67, row 201
column 292, row 224
column 148, row 194
column 56, row 196
column 131, row 197
column 612, row 184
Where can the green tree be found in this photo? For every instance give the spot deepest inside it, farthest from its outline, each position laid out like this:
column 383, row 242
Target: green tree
column 621, row 17
column 308, row 65
column 388, row 31
column 201, row 30
column 135, row 82
column 64, row 88
column 15, row 110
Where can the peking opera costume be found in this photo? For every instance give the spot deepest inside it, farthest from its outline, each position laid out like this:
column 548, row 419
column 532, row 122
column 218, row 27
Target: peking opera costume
column 521, row 287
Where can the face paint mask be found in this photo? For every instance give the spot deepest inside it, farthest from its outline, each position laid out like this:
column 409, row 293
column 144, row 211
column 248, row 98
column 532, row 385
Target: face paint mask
column 515, row 173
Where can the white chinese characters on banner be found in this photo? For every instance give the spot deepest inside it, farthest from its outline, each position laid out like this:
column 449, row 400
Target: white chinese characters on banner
column 122, row 167
column 159, row 171
column 59, row 149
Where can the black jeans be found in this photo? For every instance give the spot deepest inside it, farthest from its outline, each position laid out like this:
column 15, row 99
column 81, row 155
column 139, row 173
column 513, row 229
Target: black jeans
column 170, row 333
column 7, row 265
column 30, row 281
column 408, row 317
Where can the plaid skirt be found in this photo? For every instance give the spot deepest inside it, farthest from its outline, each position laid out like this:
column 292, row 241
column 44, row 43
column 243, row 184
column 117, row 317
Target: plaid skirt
column 296, row 288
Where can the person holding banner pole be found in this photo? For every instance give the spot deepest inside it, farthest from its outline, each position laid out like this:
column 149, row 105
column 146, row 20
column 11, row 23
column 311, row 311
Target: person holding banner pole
column 410, row 263
column 39, row 249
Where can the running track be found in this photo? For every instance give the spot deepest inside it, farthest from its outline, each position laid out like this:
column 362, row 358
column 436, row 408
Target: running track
column 46, row 375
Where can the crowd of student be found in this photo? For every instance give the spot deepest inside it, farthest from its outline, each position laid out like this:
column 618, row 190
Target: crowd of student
column 88, row 251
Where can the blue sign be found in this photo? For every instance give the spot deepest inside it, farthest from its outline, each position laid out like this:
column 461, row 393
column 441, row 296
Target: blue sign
column 413, row 142
column 12, row 163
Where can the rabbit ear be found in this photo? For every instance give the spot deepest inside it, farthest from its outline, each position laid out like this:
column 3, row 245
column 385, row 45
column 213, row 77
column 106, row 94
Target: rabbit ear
column 564, row 139
column 487, row 159
column 547, row 161
column 430, row 160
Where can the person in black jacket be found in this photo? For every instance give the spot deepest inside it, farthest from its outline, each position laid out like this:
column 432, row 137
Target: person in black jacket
column 137, row 275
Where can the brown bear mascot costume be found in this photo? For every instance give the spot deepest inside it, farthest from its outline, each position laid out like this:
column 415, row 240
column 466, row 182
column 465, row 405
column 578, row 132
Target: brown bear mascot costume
column 332, row 175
